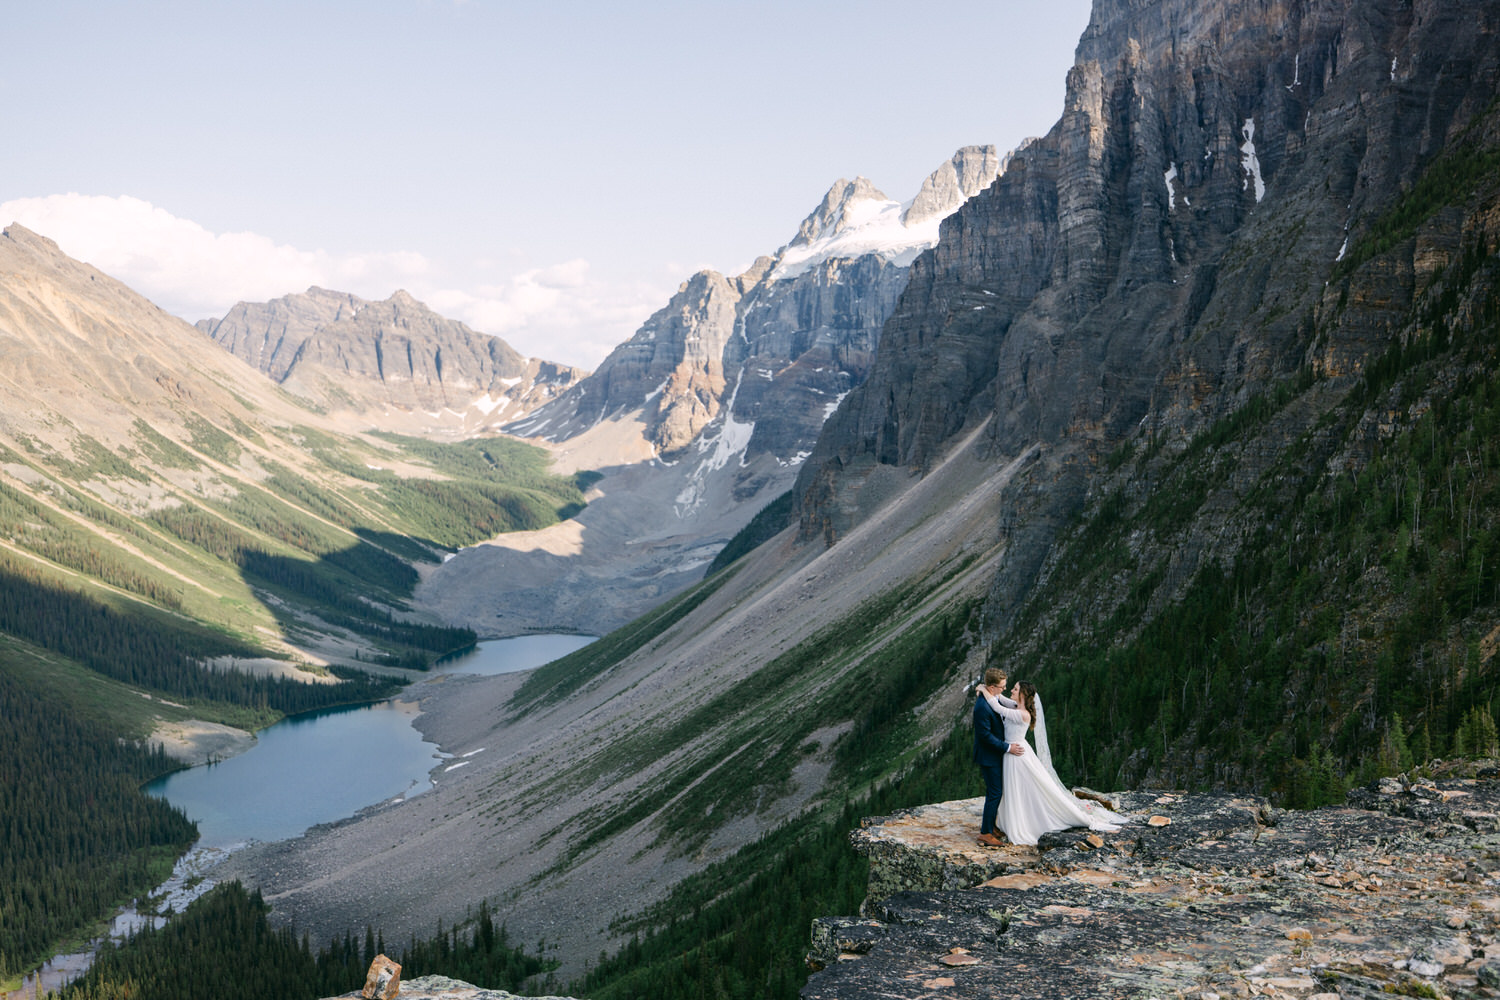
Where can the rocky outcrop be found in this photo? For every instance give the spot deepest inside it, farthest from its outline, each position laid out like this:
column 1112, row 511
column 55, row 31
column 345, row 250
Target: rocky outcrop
column 971, row 170
column 443, row 988
column 371, row 358
column 1209, row 895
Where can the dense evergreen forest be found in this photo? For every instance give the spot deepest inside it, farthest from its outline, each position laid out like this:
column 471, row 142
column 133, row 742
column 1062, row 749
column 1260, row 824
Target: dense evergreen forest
column 157, row 652
column 223, row 946
column 76, row 834
column 1351, row 632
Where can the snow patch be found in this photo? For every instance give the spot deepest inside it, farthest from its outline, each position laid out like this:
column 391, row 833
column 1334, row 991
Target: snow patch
column 830, row 409
column 653, row 393
column 1168, row 178
column 1342, row 247
column 1251, row 162
column 1393, row 67
column 871, row 226
column 733, row 439
column 488, row 404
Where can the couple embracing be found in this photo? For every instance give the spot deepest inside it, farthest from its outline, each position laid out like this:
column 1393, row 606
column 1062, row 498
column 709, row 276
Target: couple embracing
column 1023, row 796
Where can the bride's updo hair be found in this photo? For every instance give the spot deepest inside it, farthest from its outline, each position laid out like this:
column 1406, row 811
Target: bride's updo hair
column 1028, row 700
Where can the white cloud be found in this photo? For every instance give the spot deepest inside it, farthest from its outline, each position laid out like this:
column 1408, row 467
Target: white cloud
column 559, row 312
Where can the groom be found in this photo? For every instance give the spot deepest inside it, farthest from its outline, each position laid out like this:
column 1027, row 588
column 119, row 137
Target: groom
column 990, row 749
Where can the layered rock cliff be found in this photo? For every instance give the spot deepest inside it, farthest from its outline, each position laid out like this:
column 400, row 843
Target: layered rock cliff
column 1166, row 250
column 1197, row 234
column 395, row 362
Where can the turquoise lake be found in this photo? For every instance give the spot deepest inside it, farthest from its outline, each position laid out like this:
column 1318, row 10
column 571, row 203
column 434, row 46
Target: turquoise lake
column 325, row 766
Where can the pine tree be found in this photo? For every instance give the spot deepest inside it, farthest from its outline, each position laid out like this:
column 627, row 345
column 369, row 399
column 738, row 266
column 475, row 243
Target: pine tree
column 1422, row 751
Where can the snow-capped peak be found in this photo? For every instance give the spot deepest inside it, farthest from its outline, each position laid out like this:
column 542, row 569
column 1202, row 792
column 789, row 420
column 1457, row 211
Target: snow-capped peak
column 856, row 218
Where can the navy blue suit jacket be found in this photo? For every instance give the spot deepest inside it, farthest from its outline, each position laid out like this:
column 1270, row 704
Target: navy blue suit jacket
column 989, row 730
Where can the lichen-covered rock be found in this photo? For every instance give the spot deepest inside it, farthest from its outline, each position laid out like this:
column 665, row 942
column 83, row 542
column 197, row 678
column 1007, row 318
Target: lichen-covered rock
column 443, row 988
column 1346, row 902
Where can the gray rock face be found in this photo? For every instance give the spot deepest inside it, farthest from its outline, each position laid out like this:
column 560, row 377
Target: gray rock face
column 972, row 169
column 1229, row 898
column 1161, row 252
column 269, row 336
column 349, row 354
column 787, row 344
column 832, row 216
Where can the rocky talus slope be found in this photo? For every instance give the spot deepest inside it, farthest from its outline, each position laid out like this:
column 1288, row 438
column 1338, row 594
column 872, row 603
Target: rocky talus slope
column 1396, row 893
column 704, row 415
column 395, row 363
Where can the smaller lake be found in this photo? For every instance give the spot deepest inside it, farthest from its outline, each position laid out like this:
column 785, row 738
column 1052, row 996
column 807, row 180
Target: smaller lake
column 325, row 766
column 504, row 656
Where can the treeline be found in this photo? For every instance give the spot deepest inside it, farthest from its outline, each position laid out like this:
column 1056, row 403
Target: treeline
column 336, row 583
column 38, row 529
column 222, row 945
column 768, row 522
column 77, row 836
column 740, row 928
column 150, row 650
column 484, row 486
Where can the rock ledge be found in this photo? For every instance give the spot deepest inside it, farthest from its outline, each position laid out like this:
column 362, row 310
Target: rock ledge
column 1221, row 896
column 443, row 988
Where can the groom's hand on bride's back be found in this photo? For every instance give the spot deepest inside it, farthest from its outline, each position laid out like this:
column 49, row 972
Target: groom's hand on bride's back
column 1017, row 748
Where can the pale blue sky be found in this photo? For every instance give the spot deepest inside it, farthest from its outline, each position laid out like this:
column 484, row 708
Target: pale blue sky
column 547, row 172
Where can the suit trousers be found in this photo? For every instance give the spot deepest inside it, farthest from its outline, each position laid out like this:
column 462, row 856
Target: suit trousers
column 994, row 787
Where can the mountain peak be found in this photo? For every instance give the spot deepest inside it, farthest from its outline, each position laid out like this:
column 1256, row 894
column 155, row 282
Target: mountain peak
column 835, row 214
column 33, row 241
column 970, row 171
column 857, row 218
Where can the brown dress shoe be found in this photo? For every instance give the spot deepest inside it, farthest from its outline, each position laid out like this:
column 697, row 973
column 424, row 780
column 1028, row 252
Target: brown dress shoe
column 990, row 840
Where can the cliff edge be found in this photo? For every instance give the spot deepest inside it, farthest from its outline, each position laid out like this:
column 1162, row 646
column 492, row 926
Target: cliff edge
column 1201, row 895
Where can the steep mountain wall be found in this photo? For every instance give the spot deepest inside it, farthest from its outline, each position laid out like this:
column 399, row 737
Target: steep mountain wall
column 1162, row 253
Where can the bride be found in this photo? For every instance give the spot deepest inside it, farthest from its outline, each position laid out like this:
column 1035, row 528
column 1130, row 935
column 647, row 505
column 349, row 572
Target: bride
column 1035, row 800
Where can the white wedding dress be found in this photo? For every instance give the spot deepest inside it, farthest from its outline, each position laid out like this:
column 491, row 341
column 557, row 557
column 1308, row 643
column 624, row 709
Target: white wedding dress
column 1035, row 801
